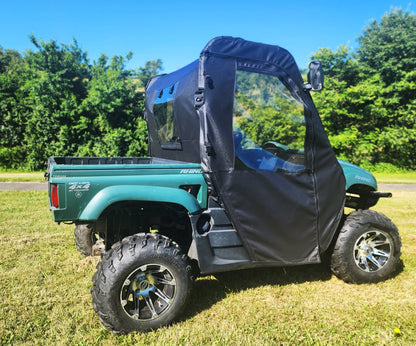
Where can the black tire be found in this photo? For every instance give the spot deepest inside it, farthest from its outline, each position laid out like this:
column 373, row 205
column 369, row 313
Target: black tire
column 142, row 283
column 84, row 239
column 367, row 249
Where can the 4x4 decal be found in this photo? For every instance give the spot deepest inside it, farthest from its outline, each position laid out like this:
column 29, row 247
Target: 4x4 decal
column 79, row 186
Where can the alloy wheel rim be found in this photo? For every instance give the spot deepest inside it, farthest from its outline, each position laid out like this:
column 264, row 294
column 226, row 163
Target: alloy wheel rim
column 372, row 250
column 148, row 292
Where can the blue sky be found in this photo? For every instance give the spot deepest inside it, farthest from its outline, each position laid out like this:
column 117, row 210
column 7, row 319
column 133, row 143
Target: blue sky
column 176, row 31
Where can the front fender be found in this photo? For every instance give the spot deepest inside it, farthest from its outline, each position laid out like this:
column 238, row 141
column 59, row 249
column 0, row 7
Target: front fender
column 114, row 194
column 355, row 175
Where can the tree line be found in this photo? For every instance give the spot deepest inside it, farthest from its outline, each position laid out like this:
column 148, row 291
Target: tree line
column 368, row 106
column 54, row 102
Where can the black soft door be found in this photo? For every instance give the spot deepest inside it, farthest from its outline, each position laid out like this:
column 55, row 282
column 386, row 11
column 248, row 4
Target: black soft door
column 264, row 142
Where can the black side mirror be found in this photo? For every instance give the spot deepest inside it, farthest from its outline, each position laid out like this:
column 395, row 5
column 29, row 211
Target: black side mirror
column 316, row 76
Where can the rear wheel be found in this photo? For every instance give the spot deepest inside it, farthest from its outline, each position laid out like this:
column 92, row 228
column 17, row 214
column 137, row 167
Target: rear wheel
column 88, row 241
column 367, row 249
column 84, row 238
column 143, row 283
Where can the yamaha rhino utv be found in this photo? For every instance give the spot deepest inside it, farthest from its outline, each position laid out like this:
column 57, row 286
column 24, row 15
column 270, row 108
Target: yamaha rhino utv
column 240, row 175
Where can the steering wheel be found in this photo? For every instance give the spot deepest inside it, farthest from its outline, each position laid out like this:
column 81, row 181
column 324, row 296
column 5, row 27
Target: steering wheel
column 276, row 148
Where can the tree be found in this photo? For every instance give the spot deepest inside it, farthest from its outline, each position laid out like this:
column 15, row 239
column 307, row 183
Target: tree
column 53, row 102
column 11, row 123
column 150, row 69
column 388, row 47
column 111, row 122
column 341, row 64
column 368, row 105
column 56, row 77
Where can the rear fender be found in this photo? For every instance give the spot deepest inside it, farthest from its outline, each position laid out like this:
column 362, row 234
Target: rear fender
column 114, row 194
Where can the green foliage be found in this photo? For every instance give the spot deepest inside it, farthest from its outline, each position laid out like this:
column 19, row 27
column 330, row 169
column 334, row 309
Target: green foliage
column 53, row 102
column 368, row 106
column 110, row 111
column 150, row 69
column 389, row 47
column 11, row 80
column 340, row 64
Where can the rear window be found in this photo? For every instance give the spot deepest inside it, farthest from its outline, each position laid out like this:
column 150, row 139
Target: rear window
column 164, row 115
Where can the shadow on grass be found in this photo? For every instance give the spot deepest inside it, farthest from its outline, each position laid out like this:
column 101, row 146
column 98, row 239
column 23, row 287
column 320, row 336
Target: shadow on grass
column 207, row 291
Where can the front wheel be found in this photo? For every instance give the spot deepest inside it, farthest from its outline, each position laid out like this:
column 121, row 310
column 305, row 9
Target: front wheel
column 367, row 249
column 143, row 283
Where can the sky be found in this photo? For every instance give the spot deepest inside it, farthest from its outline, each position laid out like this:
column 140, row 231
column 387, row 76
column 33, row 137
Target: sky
column 176, row 31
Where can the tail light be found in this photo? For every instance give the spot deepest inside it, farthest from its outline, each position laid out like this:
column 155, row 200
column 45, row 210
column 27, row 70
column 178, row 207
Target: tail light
column 54, row 195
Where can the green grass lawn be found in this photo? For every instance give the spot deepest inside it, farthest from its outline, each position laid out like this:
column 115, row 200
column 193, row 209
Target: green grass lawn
column 45, row 298
column 21, row 177
column 396, row 178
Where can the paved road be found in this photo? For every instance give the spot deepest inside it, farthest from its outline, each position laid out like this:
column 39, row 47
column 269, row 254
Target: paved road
column 24, row 186
column 44, row 186
column 391, row 187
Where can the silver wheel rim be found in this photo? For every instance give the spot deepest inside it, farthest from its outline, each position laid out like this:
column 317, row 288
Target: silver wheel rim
column 372, row 250
column 148, row 292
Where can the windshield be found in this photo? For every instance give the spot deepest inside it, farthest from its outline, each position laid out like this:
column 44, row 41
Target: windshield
column 268, row 124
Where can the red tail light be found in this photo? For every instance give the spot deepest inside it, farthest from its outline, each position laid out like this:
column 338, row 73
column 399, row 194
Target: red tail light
column 54, row 195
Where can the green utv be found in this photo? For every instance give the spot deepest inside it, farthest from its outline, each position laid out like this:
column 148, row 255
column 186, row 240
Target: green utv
column 240, row 175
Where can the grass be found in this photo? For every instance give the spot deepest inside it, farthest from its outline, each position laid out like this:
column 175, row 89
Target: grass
column 396, row 178
column 16, row 176
column 45, row 299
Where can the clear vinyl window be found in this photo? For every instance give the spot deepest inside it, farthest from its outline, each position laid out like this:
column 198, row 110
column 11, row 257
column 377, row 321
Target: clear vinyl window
column 164, row 117
column 268, row 124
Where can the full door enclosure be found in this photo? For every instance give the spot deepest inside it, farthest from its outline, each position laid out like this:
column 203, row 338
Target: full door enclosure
column 266, row 141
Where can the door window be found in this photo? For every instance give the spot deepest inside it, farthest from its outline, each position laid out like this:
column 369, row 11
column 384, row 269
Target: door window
column 268, row 124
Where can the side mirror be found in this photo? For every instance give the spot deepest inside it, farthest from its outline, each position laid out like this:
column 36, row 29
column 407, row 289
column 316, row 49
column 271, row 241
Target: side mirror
column 316, row 76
